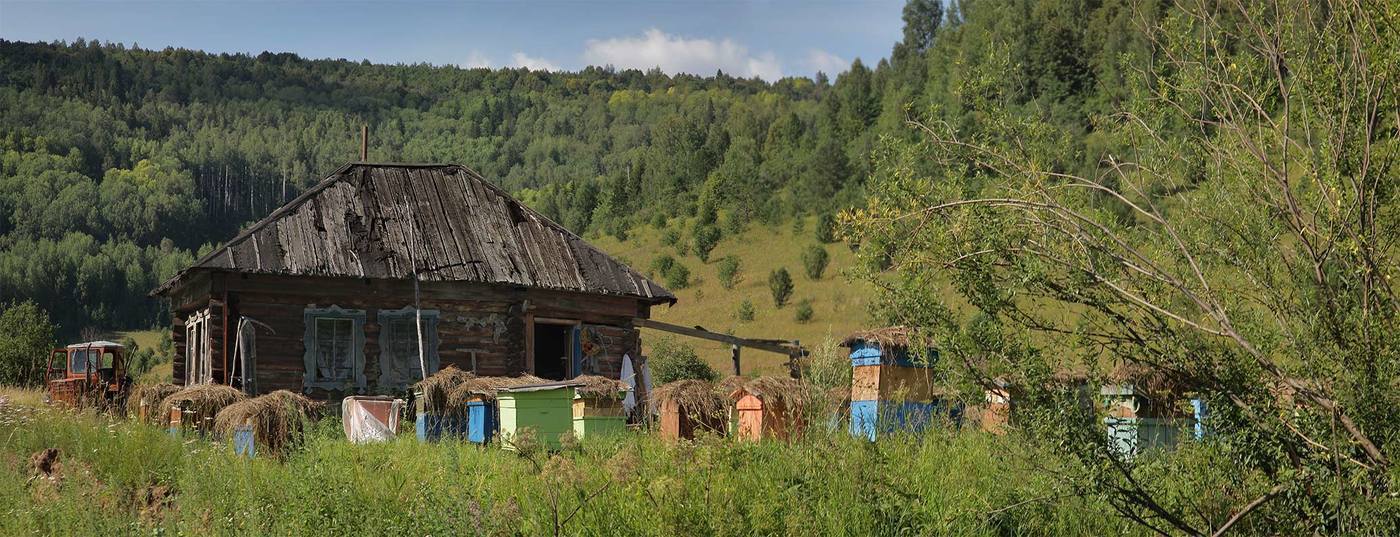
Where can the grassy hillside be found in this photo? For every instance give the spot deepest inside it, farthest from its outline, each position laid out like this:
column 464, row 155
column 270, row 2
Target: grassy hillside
column 838, row 303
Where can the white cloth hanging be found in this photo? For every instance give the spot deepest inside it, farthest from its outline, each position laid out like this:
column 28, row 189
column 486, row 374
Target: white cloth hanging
column 630, row 377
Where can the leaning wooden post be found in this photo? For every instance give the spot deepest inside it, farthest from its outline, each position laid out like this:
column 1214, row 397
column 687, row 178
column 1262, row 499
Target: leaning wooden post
column 734, row 352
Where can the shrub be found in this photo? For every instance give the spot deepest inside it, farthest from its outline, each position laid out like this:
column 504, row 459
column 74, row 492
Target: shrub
column 670, row 237
column 671, row 361
column 704, row 238
column 804, row 311
column 678, row 277
column 780, row 284
column 826, row 228
column 745, row 312
column 814, row 260
column 660, row 265
column 26, row 337
column 732, row 223
column 729, row 271
column 658, row 220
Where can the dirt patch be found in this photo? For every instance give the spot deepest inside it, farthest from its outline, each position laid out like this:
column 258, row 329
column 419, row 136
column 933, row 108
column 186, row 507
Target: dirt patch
column 45, row 462
column 155, row 500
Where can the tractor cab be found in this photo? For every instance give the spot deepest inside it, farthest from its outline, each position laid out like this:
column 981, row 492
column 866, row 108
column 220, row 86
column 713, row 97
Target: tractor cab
column 89, row 373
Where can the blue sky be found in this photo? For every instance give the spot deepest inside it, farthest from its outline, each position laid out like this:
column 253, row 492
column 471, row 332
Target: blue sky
column 768, row 39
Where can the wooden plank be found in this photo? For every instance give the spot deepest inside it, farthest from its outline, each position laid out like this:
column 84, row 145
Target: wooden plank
column 788, row 349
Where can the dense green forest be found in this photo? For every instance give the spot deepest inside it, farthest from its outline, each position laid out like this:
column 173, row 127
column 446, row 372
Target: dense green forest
column 120, row 164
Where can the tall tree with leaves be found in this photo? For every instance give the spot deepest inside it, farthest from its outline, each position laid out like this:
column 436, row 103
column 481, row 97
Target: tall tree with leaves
column 1240, row 247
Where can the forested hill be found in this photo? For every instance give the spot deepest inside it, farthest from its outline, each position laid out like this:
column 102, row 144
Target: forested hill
column 120, row 164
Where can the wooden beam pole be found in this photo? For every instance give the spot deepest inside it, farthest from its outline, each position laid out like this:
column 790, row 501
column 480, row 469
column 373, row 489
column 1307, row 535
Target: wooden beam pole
column 775, row 346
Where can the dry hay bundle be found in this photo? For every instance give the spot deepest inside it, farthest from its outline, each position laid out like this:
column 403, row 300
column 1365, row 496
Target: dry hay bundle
column 150, row 395
column 437, row 390
column 732, row 384
column 279, row 419
column 598, row 387
column 205, row 400
column 486, row 388
column 888, row 337
column 791, row 394
column 696, row 398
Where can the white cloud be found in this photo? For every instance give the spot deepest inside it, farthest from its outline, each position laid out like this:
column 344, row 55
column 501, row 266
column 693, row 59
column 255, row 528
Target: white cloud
column 826, row 62
column 676, row 54
column 477, row 59
column 520, row 59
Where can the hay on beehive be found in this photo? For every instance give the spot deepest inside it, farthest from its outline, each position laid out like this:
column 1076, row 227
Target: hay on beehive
column 696, row 398
column 485, row 388
column 788, row 393
column 151, row 396
column 437, row 390
column 279, row 419
column 888, row 337
column 205, row 400
column 598, row 387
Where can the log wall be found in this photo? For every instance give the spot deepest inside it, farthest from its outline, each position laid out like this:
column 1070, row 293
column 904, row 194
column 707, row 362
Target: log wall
column 479, row 325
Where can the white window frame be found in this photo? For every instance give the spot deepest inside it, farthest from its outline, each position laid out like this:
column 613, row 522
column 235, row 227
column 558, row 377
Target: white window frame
column 310, row 377
column 199, row 363
column 391, row 376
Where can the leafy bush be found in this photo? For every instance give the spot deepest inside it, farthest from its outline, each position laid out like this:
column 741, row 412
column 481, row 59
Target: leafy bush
column 704, row 238
column 660, row 265
column 678, row 277
column 804, row 311
column 780, row 284
column 670, row 237
column 671, row 361
column 814, row 260
column 826, row 228
column 26, row 337
column 729, row 271
column 745, row 312
column 658, row 220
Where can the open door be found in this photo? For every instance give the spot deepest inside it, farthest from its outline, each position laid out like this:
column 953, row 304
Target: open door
column 555, row 345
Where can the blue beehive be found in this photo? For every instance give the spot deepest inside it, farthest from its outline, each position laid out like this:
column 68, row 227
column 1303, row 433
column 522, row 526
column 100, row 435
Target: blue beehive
column 243, row 441
column 892, row 390
column 481, row 420
column 433, row 427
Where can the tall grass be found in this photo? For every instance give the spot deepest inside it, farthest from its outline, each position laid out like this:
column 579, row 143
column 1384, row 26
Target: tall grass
column 632, row 484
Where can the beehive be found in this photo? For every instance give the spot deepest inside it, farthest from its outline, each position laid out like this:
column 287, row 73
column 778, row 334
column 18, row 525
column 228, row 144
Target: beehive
column 892, row 390
column 598, row 415
column 481, row 420
column 769, row 408
column 1135, row 422
column 546, row 409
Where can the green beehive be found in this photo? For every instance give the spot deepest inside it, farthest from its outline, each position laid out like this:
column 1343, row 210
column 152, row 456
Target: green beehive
column 547, row 409
column 598, row 415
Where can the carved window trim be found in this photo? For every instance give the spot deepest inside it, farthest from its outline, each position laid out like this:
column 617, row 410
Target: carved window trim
column 357, row 349
column 430, row 346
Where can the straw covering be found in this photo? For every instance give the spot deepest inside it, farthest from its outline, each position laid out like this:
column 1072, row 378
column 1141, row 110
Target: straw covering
column 279, row 419
column 437, row 389
column 893, row 336
column 150, row 395
column 445, row 393
column 598, row 387
column 205, row 400
column 794, row 395
column 694, row 397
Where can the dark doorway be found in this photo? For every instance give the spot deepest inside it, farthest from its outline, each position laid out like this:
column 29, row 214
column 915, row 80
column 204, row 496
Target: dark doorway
column 552, row 351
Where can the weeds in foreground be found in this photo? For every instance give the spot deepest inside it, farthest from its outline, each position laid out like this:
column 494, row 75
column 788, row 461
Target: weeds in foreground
column 119, row 476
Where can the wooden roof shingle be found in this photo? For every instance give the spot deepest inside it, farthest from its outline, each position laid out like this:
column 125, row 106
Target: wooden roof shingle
column 362, row 220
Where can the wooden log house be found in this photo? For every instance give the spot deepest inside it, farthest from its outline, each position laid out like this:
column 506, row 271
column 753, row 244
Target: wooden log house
column 319, row 297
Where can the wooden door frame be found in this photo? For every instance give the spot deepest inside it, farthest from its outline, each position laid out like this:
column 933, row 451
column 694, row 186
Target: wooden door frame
column 530, row 321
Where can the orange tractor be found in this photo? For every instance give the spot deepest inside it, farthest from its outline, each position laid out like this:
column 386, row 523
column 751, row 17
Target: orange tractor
column 89, row 374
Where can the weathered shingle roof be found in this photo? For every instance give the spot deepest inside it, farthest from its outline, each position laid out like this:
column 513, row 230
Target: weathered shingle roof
column 361, row 221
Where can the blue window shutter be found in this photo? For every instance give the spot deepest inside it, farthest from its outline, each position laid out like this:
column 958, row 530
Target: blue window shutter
column 577, row 351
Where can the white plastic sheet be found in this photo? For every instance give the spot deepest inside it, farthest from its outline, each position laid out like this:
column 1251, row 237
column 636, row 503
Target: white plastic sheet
column 371, row 419
column 630, row 377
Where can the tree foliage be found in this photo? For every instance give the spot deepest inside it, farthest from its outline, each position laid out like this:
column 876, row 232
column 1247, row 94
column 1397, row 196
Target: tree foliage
column 780, row 285
column 26, row 337
column 1231, row 234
